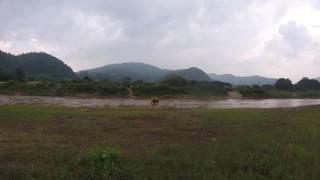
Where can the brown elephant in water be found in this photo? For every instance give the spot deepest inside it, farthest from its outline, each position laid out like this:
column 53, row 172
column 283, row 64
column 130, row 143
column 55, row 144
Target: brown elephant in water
column 155, row 101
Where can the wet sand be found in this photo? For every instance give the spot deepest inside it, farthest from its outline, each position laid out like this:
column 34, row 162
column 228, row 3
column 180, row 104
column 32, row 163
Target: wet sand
column 174, row 103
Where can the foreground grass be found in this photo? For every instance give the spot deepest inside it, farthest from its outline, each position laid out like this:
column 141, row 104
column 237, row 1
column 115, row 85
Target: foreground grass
column 41, row 142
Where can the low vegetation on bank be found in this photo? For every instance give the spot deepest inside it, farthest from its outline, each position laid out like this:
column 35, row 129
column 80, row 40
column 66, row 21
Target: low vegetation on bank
column 283, row 88
column 43, row 142
column 171, row 86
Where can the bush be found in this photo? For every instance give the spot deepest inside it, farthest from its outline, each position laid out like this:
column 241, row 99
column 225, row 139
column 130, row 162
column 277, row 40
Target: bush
column 113, row 90
column 254, row 91
column 85, row 88
column 100, row 164
column 204, row 88
column 157, row 90
column 174, row 80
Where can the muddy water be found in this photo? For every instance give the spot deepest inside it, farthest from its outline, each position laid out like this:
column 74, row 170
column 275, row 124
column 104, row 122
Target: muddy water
column 177, row 103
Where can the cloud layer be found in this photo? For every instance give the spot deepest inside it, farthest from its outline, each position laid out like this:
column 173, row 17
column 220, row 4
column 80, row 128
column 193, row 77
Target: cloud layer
column 277, row 38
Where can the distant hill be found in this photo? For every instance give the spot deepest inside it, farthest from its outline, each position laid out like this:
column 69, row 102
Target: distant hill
column 318, row 79
column 141, row 71
column 192, row 74
column 242, row 80
column 116, row 72
column 36, row 65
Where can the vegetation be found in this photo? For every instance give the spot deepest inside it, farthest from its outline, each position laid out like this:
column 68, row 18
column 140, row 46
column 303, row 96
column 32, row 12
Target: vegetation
column 64, row 88
column 306, row 84
column 284, row 84
column 171, row 86
column 252, row 91
column 43, row 142
column 283, row 88
column 99, row 164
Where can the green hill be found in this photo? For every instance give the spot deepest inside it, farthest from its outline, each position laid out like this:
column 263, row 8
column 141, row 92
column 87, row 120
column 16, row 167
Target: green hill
column 141, row 71
column 192, row 74
column 36, row 65
column 117, row 72
column 242, row 80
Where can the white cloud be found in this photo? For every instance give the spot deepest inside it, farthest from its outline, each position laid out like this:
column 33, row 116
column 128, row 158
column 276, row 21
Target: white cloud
column 223, row 36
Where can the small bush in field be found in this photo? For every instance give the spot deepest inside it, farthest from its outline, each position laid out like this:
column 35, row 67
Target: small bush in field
column 100, row 164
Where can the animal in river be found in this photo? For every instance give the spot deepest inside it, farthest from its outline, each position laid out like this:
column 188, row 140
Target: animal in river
column 155, row 101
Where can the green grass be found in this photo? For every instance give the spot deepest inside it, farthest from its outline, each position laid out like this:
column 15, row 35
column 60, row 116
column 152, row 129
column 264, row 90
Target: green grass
column 43, row 142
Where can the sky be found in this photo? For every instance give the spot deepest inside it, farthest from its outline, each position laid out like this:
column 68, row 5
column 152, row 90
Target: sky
column 274, row 38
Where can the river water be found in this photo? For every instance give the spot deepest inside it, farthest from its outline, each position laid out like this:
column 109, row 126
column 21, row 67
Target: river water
column 176, row 103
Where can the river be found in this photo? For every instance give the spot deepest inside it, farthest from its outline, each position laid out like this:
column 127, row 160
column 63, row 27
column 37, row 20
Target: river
column 176, row 103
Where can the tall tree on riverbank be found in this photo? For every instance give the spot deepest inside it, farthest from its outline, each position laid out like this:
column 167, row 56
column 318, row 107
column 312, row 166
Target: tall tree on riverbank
column 307, row 84
column 284, row 84
column 20, row 75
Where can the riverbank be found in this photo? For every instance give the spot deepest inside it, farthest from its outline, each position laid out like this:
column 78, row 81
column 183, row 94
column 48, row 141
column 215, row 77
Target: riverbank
column 49, row 142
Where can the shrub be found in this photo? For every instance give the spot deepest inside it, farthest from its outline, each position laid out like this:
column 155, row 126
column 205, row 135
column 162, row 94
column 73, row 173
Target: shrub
column 174, row 80
column 252, row 91
column 157, row 90
column 100, row 164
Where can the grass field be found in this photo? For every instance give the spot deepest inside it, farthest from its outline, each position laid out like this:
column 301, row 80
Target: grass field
column 42, row 142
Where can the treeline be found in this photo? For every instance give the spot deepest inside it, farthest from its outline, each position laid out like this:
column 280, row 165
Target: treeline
column 304, row 84
column 171, row 86
column 18, row 75
column 174, row 85
column 283, row 88
column 64, row 88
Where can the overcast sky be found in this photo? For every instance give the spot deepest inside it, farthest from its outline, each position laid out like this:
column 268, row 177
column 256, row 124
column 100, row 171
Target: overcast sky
column 276, row 38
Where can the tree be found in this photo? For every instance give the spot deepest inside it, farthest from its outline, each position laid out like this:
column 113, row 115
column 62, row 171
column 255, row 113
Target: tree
column 174, row 80
column 252, row 91
column 284, row 84
column 20, row 75
column 87, row 79
column 307, row 84
column 3, row 76
column 126, row 81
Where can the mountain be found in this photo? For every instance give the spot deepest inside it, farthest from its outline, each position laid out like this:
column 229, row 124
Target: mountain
column 318, row 79
column 36, row 65
column 242, row 80
column 141, row 71
column 117, row 72
column 192, row 74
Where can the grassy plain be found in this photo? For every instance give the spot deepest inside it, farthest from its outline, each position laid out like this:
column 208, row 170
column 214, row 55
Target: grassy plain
column 45, row 142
